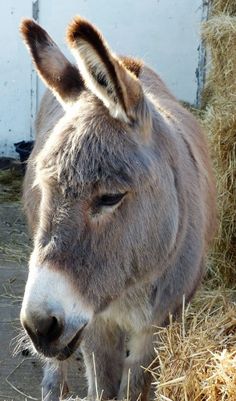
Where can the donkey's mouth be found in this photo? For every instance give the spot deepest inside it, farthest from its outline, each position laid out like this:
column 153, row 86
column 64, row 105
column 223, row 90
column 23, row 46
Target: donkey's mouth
column 72, row 346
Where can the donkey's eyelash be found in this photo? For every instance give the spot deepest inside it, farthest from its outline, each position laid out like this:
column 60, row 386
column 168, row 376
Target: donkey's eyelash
column 107, row 200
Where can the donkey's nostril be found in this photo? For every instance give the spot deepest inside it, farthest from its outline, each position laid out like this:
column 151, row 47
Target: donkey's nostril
column 47, row 329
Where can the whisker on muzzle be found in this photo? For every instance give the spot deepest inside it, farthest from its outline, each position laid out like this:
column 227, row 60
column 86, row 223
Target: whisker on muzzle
column 21, row 343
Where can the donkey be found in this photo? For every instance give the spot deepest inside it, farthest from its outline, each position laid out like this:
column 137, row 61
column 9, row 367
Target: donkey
column 120, row 200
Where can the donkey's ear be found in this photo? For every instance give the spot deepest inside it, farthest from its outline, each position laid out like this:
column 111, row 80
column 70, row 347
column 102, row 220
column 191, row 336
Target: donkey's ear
column 103, row 72
column 56, row 71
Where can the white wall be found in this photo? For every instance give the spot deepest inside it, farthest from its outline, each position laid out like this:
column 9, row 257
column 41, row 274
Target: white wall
column 15, row 77
column 164, row 33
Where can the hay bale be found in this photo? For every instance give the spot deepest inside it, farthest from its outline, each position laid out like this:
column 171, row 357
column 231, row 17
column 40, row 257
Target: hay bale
column 223, row 6
column 197, row 358
column 220, row 118
column 219, row 33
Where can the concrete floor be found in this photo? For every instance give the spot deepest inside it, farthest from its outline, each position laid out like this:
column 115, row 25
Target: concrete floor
column 20, row 375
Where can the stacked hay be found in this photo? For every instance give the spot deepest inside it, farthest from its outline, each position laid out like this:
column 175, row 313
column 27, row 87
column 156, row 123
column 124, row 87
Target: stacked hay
column 223, row 6
column 219, row 33
column 197, row 358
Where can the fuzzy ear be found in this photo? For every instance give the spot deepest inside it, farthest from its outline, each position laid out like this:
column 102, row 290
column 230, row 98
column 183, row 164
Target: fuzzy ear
column 56, row 71
column 103, row 72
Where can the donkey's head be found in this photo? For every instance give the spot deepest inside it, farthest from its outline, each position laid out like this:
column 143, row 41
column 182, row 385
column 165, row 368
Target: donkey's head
column 101, row 189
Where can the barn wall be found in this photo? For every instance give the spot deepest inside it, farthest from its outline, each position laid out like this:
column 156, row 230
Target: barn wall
column 15, row 74
column 165, row 33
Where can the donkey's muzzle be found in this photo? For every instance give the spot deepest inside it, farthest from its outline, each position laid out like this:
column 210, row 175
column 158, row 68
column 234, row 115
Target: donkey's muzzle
column 53, row 313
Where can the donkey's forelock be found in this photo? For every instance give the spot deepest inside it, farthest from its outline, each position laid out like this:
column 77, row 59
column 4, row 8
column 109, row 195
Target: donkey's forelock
column 93, row 148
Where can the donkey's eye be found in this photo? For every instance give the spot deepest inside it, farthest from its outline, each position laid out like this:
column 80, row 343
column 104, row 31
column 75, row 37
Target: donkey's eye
column 109, row 200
